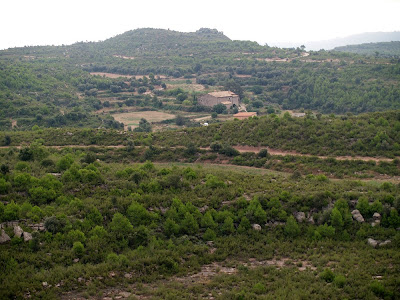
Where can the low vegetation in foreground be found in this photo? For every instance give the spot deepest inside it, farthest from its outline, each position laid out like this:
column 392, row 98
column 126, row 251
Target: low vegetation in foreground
column 96, row 229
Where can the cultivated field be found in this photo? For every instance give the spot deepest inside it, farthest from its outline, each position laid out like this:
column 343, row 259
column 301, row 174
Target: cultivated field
column 132, row 118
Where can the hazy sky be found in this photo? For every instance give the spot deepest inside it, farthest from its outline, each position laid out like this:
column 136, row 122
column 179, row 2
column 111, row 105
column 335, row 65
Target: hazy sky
column 55, row 22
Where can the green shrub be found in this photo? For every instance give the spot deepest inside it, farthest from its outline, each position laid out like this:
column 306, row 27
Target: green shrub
column 78, row 249
column 292, row 228
column 378, row 288
column 339, row 281
column 259, row 288
column 327, row 275
column 209, row 235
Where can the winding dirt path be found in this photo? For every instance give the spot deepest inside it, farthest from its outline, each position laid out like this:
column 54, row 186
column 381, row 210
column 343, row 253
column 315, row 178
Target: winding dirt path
column 294, row 153
column 241, row 149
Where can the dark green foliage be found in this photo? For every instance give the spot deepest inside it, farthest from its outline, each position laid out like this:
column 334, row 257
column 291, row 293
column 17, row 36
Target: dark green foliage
column 339, row 281
column 120, row 226
column 292, row 228
column 144, row 126
column 78, row 249
column 11, row 212
column 25, row 154
column 55, row 224
column 219, row 108
column 189, row 224
column 327, row 275
column 169, row 222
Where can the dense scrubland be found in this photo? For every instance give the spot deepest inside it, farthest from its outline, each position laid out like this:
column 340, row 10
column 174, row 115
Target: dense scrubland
column 273, row 207
column 155, row 223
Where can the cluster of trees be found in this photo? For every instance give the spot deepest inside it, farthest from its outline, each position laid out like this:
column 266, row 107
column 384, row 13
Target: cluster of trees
column 374, row 134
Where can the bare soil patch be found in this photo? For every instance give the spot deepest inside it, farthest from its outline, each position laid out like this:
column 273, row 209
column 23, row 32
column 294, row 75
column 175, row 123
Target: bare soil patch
column 188, row 87
column 110, row 75
column 124, row 57
column 243, row 76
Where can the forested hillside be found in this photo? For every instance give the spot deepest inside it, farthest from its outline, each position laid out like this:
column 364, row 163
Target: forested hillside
column 388, row 49
column 52, row 86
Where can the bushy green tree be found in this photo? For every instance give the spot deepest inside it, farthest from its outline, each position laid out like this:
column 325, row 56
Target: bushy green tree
column 94, row 217
column 292, row 228
column 78, row 249
column 255, row 212
column 54, row 224
column 11, row 211
column 65, row 162
column 209, row 235
column 138, row 215
column 189, row 224
column 244, row 225
column 120, row 226
column 170, row 227
column 336, row 219
column 228, row 227
column 4, row 186
column 207, row 221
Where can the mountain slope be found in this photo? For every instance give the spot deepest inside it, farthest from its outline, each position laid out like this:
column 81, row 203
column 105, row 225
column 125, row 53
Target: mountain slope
column 362, row 38
column 387, row 49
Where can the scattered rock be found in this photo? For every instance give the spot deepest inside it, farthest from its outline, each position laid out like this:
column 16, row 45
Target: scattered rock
column 128, row 275
column 45, row 284
column 163, row 210
column 125, row 294
column 375, row 243
column 384, row 243
column 256, row 227
column 80, row 279
column 27, row 236
column 4, row 237
column 37, row 227
column 203, row 209
column 376, row 216
column 76, row 260
column 56, row 174
column 372, row 242
column 212, row 250
column 376, row 223
column 274, row 224
column 111, row 274
column 311, row 220
column 357, row 216
column 18, row 231
column 300, row 216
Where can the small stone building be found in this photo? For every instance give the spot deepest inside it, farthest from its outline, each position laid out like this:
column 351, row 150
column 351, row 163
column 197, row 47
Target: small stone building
column 244, row 115
column 226, row 98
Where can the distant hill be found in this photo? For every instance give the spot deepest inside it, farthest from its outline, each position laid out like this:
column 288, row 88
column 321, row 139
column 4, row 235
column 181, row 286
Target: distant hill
column 362, row 38
column 148, row 40
column 54, row 86
column 388, row 49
